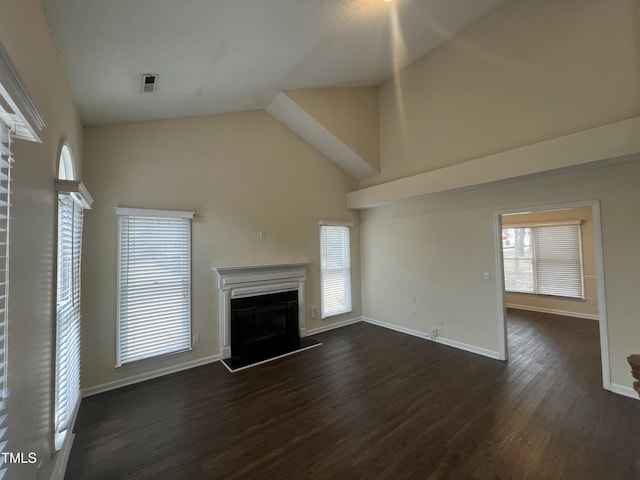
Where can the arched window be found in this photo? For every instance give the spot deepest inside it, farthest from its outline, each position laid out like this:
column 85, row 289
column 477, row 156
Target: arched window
column 66, row 170
column 72, row 199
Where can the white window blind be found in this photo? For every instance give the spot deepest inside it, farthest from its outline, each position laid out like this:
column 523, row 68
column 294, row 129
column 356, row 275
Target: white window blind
column 335, row 270
column 154, row 284
column 67, row 385
column 6, row 161
column 559, row 261
column 544, row 260
column 19, row 118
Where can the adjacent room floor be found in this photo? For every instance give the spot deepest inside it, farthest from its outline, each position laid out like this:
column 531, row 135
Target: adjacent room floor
column 371, row 403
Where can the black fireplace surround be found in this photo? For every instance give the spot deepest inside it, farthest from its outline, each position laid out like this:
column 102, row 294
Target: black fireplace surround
column 264, row 326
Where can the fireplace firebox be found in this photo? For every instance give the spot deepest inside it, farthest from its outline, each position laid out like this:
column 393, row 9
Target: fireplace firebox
column 263, row 326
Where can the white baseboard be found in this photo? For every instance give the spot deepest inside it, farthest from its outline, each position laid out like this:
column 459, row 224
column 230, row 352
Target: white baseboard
column 331, row 326
column 397, row 328
column 485, row 352
column 105, row 387
column 564, row 313
column 444, row 341
column 624, row 390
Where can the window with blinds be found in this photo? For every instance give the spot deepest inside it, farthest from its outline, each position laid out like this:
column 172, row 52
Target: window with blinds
column 19, row 119
column 154, row 283
column 5, row 192
column 335, row 270
column 67, row 385
column 545, row 260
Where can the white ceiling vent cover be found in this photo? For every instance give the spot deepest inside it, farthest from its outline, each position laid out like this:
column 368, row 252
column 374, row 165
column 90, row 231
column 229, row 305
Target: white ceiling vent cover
column 149, row 82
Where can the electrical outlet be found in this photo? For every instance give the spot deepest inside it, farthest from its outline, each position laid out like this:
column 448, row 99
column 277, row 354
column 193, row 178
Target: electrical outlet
column 196, row 338
column 314, row 312
column 434, row 332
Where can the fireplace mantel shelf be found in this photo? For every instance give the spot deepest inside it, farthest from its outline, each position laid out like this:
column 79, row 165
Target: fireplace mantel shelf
column 230, row 277
column 254, row 267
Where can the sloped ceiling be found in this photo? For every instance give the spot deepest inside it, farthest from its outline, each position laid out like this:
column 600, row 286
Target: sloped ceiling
column 217, row 56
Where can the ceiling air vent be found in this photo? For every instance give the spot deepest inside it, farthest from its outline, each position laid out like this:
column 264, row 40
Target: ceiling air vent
column 149, row 82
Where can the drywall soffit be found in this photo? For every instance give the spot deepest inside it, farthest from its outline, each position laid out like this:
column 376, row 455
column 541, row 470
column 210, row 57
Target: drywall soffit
column 617, row 142
column 290, row 114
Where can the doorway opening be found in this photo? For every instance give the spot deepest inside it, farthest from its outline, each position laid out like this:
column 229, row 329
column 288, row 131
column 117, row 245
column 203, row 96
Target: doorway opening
column 550, row 262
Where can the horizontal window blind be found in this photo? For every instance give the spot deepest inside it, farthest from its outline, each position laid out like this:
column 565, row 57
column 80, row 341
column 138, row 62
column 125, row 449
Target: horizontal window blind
column 6, row 161
column 154, row 275
column 335, row 270
column 67, row 393
column 559, row 261
column 19, row 118
column 544, row 260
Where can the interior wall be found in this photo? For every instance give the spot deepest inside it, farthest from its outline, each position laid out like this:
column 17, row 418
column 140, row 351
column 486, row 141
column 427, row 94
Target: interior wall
column 26, row 38
column 241, row 173
column 437, row 249
column 576, row 307
column 528, row 71
column 351, row 114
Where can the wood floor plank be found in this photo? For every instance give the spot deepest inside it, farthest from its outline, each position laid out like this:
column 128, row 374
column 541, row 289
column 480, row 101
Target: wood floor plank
column 375, row 404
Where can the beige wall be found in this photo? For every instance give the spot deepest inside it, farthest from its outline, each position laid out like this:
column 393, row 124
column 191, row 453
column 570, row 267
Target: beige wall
column 351, row 114
column 25, row 36
column 241, row 173
column 588, row 306
column 527, row 72
column 438, row 248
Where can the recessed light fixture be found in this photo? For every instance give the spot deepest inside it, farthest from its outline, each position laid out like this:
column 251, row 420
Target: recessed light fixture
column 149, row 82
column 387, row 1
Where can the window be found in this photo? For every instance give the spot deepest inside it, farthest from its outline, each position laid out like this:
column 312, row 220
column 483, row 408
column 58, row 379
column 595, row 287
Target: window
column 72, row 199
column 154, row 283
column 65, row 166
column 544, row 259
column 19, row 119
column 5, row 192
column 67, row 386
column 335, row 268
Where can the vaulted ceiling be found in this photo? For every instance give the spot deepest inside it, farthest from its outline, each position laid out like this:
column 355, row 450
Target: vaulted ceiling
column 216, row 56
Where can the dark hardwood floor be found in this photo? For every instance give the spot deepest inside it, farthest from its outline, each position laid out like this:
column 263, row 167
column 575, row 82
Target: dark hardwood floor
column 375, row 404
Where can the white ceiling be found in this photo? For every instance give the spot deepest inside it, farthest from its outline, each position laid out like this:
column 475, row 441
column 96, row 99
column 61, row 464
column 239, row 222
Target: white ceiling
column 216, row 56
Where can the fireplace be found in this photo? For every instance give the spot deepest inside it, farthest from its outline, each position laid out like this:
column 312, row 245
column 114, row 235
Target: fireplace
column 264, row 326
column 245, row 293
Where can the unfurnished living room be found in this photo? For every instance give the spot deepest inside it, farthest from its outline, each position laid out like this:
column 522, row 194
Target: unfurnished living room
column 338, row 239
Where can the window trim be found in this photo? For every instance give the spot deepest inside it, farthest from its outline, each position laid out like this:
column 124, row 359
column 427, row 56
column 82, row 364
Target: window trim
column 150, row 213
column 23, row 118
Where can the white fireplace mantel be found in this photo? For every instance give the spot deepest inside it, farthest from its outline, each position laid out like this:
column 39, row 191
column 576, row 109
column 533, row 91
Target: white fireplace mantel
column 254, row 280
